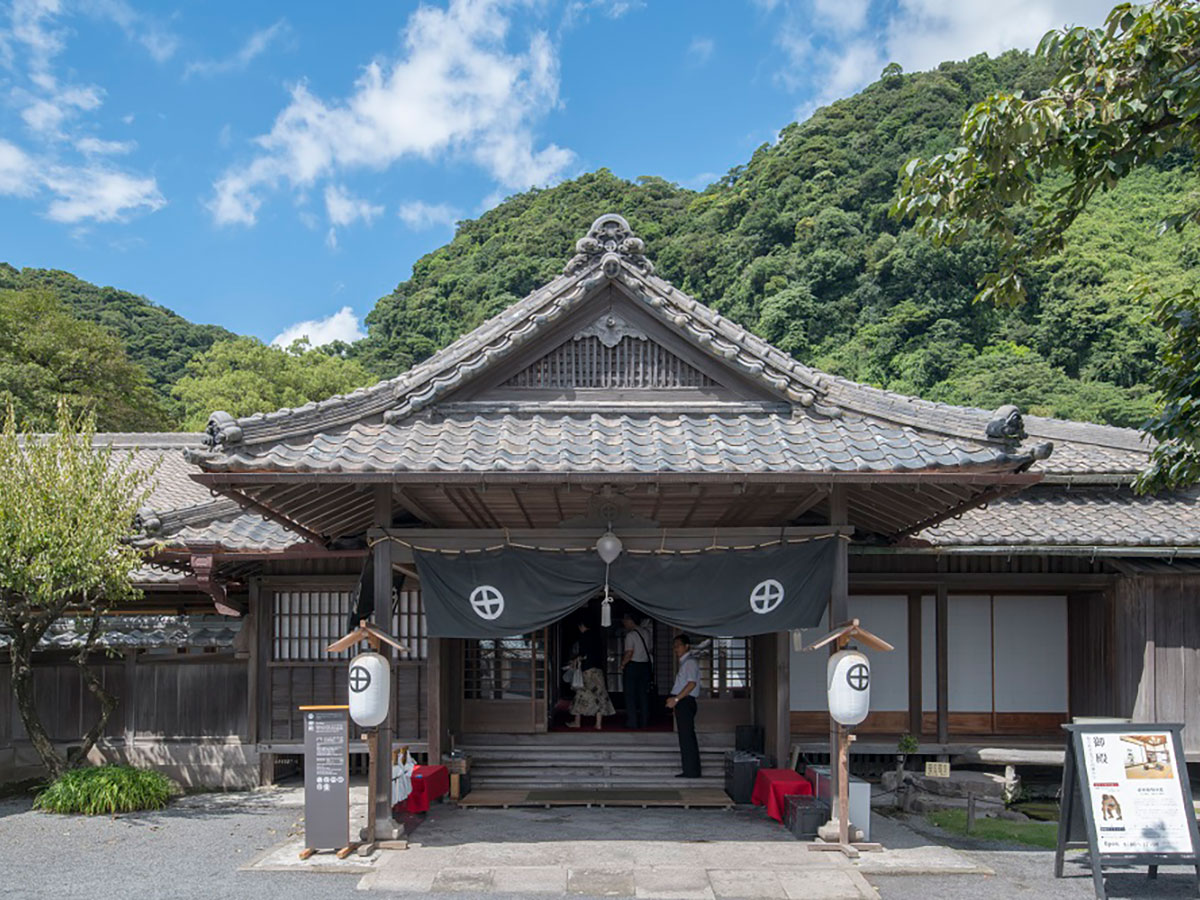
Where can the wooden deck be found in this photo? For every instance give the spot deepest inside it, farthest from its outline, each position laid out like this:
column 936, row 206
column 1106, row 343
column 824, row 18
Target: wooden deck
column 683, row 798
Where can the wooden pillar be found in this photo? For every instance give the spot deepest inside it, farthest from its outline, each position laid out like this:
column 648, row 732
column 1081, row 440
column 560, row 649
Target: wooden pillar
column 385, row 829
column 435, row 725
column 783, row 698
column 839, row 608
column 943, row 663
column 263, row 600
column 915, row 694
column 129, row 704
column 251, row 622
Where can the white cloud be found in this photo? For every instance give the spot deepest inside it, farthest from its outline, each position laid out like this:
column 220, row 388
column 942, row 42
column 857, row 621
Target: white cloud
column 418, row 215
column 154, row 37
column 836, row 47
column 700, row 50
column 343, row 208
column 343, row 325
column 16, row 170
column 255, row 46
column 457, row 89
column 93, row 146
column 99, row 195
column 59, row 164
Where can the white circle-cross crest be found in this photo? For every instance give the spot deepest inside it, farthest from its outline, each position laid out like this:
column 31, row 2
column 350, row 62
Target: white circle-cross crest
column 487, row 602
column 766, row 596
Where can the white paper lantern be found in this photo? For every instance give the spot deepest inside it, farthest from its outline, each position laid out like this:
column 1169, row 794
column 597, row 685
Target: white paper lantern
column 370, row 687
column 848, row 681
column 609, row 547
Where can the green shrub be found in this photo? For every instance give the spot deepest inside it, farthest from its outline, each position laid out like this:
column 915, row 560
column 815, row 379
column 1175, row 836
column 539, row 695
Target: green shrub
column 105, row 789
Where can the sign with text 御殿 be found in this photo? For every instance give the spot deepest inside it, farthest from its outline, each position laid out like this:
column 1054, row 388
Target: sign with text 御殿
column 1127, row 798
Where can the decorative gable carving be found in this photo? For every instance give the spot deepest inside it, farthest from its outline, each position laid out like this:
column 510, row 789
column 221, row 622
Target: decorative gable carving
column 591, row 360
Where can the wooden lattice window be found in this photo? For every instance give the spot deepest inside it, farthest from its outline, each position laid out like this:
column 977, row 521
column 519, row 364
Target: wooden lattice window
column 512, row 668
column 725, row 668
column 307, row 621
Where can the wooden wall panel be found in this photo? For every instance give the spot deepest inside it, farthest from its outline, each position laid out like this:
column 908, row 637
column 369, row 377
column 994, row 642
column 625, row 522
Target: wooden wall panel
column 197, row 695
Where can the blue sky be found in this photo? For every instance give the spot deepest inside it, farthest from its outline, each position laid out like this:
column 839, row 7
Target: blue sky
column 275, row 167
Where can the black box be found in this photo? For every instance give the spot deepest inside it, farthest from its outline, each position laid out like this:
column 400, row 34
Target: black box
column 803, row 814
column 741, row 768
column 749, row 738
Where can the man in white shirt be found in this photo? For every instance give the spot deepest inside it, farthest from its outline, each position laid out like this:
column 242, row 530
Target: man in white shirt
column 635, row 667
column 683, row 701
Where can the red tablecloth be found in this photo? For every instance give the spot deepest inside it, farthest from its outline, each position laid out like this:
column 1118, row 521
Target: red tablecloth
column 428, row 784
column 772, row 785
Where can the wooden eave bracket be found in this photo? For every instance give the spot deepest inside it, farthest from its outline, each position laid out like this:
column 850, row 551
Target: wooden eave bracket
column 202, row 568
column 851, row 631
column 365, row 632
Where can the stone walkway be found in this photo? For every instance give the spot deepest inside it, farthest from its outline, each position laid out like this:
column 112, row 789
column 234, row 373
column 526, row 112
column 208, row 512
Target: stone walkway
column 650, row 854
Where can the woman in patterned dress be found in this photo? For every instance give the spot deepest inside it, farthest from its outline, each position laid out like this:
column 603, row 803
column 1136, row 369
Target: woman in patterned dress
column 592, row 699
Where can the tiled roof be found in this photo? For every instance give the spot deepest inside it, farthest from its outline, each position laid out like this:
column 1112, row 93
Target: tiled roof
column 747, row 441
column 182, row 513
column 143, row 632
column 1088, row 516
column 608, row 256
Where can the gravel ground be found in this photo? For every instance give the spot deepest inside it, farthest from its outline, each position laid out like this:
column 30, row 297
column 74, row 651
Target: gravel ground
column 188, row 851
column 1025, row 872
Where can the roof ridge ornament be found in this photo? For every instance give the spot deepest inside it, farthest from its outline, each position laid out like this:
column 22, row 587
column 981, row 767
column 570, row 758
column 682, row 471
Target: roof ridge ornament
column 610, row 241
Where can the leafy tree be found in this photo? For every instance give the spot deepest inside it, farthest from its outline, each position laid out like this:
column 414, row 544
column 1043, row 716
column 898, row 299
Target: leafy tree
column 155, row 338
column 1126, row 97
column 66, row 510
column 47, row 355
column 245, row 376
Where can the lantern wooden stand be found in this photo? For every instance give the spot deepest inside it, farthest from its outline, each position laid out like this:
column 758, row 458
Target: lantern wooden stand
column 840, row 637
column 375, row 638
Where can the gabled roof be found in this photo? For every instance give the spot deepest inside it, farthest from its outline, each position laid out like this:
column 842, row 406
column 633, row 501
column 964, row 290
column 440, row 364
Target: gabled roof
column 350, row 433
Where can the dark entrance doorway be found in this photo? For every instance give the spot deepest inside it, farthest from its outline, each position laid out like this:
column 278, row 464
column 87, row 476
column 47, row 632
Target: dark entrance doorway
column 565, row 643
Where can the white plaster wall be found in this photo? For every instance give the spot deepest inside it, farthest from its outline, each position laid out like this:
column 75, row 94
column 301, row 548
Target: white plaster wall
column 886, row 616
column 969, row 653
column 1030, row 639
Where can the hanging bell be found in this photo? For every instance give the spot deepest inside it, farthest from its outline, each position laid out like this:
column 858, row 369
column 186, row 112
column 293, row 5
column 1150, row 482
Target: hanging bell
column 609, row 547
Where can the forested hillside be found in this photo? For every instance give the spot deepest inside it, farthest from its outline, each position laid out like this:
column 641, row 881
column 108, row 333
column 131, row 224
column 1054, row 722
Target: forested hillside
column 797, row 244
column 158, row 340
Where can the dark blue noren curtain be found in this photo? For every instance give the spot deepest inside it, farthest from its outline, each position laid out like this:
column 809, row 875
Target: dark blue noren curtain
column 733, row 593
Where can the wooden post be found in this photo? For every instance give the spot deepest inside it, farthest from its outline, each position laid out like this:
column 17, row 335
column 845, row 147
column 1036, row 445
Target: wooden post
column 843, row 783
column 839, row 609
column 381, row 801
column 783, row 694
column 943, row 664
column 251, row 621
column 915, row 694
column 433, row 695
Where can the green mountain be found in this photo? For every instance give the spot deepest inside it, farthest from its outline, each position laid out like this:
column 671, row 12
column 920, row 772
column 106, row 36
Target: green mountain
column 798, row 246
column 158, row 340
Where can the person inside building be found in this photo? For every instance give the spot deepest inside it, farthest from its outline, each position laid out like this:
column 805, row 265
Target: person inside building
column 683, row 701
column 635, row 666
column 590, row 655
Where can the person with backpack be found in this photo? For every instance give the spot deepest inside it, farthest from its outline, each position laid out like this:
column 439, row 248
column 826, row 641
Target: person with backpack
column 635, row 667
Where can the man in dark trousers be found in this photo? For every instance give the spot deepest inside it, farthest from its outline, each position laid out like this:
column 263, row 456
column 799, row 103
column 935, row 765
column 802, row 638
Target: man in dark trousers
column 683, row 701
column 635, row 667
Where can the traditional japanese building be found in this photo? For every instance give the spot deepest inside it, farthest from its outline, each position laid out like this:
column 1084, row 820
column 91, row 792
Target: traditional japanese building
column 1006, row 557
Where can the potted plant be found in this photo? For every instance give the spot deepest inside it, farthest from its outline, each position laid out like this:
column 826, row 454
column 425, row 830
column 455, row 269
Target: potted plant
column 905, row 747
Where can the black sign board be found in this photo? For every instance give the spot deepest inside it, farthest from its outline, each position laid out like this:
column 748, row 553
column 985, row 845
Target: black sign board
column 1126, row 798
column 326, row 777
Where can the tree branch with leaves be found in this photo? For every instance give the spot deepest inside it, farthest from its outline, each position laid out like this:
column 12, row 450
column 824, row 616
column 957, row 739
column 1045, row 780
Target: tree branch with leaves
column 66, row 513
column 1126, row 94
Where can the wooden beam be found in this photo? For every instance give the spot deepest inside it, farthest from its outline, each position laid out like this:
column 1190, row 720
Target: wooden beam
column 942, row 621
column 983, row 498
column 264, row 510
column 415, row 507
column 516, row 495
column 915, row 694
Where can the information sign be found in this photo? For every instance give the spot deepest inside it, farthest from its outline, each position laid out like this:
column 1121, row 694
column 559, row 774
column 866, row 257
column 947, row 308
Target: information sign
column 326, row 777
column 1127, row 784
